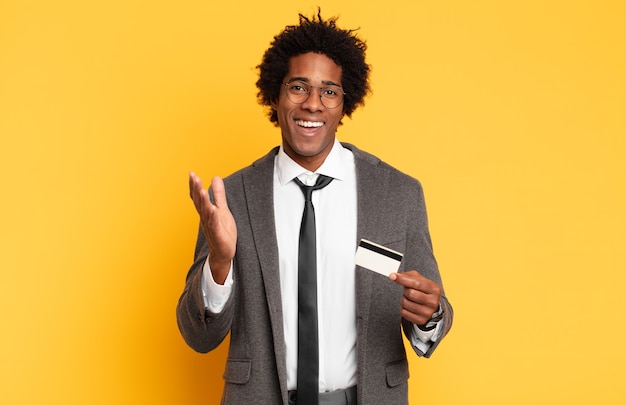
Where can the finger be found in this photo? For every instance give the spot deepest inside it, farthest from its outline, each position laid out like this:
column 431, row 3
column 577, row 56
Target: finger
column 417, row 319
column 413, row 280
column 198, row 194
column 195, row 183
column 219, row 192
column 410, row 279
column 415, row 313
column 421, row 299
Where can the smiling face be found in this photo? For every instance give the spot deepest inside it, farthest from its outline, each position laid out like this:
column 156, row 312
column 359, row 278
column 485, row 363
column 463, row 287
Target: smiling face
column 308, row 129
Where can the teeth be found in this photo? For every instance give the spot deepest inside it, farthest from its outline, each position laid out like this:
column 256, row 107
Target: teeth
column 309, row 124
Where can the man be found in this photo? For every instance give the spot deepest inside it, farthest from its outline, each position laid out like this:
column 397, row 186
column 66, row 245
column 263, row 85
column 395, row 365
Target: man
column 248, row 277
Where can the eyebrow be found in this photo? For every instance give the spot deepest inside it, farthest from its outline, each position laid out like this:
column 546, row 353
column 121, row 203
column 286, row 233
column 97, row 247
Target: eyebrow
column 306, row 80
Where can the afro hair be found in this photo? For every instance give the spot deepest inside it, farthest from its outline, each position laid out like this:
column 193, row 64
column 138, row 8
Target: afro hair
column 318, row 36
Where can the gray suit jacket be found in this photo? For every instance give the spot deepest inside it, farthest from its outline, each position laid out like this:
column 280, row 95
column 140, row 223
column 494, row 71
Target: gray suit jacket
column 391, row 212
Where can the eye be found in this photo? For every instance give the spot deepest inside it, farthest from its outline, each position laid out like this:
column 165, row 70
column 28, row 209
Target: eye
column 330, row 92
column 298, row 87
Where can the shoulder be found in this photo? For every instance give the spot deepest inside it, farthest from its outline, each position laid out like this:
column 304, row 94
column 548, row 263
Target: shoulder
column 369, row 165
column 261, row 167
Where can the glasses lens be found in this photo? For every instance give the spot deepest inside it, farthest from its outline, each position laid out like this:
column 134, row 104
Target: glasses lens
column 332, row 96
column 298, row 92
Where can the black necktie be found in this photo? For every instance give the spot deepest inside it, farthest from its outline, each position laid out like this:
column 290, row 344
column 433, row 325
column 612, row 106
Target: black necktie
column 308, row 350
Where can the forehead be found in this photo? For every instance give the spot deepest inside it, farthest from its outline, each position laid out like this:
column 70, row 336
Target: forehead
column 314, row 68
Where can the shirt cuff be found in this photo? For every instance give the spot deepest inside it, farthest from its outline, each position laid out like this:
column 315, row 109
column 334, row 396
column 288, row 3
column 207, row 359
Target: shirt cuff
column 215, row 295
column 423, row 338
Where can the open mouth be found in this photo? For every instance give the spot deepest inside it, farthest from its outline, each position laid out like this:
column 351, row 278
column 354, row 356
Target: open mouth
column 309, row 124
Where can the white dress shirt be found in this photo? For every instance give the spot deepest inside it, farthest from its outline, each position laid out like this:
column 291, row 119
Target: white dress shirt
column 335, row 217
column 336, row 222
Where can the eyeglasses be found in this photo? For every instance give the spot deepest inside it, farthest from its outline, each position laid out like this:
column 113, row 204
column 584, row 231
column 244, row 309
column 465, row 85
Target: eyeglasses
column 298, row 92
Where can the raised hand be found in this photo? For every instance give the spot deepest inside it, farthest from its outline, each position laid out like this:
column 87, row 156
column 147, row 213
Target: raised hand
column 218, row 224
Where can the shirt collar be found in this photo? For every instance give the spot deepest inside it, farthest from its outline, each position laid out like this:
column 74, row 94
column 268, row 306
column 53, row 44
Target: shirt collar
column 337, row 165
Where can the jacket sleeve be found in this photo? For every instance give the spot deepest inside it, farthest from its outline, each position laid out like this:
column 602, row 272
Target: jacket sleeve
column 421, row 258
column 446, row 324
column 202, row 330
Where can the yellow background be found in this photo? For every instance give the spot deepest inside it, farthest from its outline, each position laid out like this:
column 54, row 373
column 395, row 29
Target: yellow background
column 511, row 113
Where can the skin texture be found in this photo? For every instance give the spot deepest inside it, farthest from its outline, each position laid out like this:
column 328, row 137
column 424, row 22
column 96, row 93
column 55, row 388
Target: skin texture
column 308, row 146
column 217, row 224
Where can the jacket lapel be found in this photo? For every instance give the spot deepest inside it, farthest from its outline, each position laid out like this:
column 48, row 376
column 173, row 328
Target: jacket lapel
column 259, row 194
column 371, row 193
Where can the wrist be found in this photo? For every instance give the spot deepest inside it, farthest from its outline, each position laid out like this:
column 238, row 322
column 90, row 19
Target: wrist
column 219, row 269
column 432, row 322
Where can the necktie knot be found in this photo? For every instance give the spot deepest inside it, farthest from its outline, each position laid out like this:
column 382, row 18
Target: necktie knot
column 321, row 182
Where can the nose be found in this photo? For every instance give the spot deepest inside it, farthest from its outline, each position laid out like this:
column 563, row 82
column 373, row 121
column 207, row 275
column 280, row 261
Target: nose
column 314, row 101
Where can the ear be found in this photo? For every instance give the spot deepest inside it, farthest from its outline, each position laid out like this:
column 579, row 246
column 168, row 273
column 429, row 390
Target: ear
column 274, row 105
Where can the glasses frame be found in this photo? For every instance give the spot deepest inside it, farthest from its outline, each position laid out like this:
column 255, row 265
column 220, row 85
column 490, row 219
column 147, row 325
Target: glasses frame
column 310, row 88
